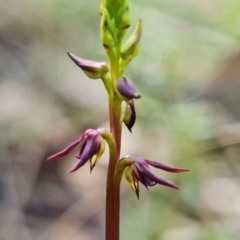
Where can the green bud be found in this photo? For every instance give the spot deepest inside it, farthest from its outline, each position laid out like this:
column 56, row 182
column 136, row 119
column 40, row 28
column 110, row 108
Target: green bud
column 93, row 70
column 113, row 6
column 102, row 5
column 132, row 46
column 108, row 35
column 123, row 19
column 128, row 114
column 126, row 88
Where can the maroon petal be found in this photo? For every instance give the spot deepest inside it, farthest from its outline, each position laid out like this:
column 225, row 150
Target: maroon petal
column 144, row 169
column 91, row 146
column 79, row 164
column 142, row 178
column 81, row 150
column 139, row 176
column 69, row 148
column 160, row 180
column 126, row 88
column 88, row 151
column 165, row 167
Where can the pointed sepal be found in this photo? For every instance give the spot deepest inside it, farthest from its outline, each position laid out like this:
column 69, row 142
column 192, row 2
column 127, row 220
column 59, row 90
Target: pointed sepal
column 68, row 149
column 108, row 34
column 132, row 46
column 165, row 167
column 93, row 70
column 132, row 181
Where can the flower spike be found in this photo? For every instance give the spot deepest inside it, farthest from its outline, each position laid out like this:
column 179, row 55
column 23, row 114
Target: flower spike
column 92, row 149
column 137, row 170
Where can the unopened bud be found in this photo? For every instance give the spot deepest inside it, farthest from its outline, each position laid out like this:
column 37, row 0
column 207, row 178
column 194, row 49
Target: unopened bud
column 93, row 70
column 126, row 88
column 123, row 19
column 129, row 114
column 132, row 46
column 108, row 35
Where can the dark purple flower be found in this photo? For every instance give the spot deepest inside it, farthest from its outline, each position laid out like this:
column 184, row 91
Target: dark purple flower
column 137, row 170
column 92, row 149
column 126, row 88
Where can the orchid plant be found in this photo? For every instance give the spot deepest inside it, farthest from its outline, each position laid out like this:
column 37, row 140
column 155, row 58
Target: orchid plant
column 115, row 20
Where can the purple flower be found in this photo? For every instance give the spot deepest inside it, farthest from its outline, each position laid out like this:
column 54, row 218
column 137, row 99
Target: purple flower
column 137, row 170
column 92, row 149
column 126, row 88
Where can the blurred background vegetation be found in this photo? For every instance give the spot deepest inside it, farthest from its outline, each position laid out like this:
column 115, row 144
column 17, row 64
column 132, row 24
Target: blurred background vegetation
column 188, row 73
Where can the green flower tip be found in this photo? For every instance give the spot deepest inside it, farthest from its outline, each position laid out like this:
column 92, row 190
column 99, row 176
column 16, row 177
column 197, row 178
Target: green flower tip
column 132, row 46
column 108, row 35
column 123, row 18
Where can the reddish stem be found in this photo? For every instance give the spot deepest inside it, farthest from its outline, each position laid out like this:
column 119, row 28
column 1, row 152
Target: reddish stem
column 113, row 188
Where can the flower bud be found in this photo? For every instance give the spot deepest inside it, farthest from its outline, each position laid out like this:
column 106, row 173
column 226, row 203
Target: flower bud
column 132, row 46
column 126, row 88
column 93, row 70
column 123, row 21
column 108, row 35
column 129, row 114
column 123, row 17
